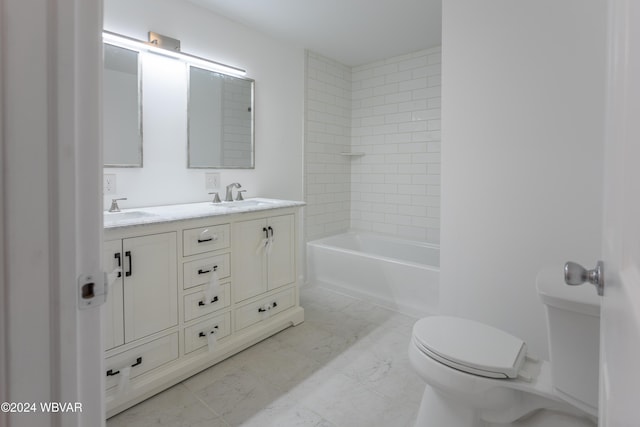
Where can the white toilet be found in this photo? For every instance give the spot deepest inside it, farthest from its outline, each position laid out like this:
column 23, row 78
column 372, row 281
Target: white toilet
column 480, row 376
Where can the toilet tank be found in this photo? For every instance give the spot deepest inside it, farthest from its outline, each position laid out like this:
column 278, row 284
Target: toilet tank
column 573, row 323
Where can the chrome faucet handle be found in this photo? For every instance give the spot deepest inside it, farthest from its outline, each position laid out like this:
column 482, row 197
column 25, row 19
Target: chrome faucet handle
column 216, row 198
column 239, row 195
column 114, row 204
column 229, row 196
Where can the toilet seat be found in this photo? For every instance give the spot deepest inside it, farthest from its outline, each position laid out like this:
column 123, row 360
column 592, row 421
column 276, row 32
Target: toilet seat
column 470, row 346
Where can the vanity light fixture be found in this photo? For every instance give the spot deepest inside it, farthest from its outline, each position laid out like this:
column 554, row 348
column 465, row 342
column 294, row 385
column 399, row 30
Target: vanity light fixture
column 167, row 46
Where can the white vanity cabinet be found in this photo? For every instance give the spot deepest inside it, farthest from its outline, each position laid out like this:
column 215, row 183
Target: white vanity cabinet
column 143, row 298
column 167, row 317
column 265, row 258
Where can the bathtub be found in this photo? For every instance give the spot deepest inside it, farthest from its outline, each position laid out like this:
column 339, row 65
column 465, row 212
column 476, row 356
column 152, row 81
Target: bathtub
column 399, row 274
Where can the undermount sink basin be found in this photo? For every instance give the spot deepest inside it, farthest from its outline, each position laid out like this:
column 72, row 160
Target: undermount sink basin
column 114, row 217
column 248, row 203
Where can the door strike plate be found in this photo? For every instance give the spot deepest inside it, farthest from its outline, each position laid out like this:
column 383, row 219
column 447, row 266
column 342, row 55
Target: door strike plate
column 92, row 290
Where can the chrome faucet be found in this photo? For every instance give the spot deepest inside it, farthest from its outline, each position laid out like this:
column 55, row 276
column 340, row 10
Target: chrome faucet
column 114, row 205
column 229, row 196
column 216, row 197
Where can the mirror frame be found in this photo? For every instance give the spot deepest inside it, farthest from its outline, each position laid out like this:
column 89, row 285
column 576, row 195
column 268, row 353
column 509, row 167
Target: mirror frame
column 140, row 111
column 253, row 119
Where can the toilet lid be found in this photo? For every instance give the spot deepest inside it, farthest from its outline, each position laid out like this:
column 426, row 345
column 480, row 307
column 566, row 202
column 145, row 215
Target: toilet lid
column 470, row 346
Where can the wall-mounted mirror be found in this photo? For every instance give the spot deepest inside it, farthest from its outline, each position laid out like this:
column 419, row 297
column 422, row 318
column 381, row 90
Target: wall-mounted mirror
column 220, row 120
column 122, row 107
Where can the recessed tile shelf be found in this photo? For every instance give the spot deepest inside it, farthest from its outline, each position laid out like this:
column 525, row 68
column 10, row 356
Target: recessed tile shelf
column 352, row 154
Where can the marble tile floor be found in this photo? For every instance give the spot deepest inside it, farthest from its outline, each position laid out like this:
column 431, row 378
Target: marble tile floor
column 345, row 366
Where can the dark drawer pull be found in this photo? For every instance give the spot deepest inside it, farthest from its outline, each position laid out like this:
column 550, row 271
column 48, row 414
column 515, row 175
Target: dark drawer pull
column 215, row 299
column 111, row 372
column 202, row 334
column 201, row 271
column 205, row 240
column 273, row 305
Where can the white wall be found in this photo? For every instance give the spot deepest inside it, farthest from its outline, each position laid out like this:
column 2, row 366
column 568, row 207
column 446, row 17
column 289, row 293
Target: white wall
column 278, row 70
column 395, row 186
column 522, row 105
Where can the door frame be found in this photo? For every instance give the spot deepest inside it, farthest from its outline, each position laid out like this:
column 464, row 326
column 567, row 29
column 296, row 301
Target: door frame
column 620, row 309
column 50, row 207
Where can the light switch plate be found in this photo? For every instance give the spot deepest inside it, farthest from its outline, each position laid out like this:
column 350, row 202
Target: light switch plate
column 212, row 181
column 109, row 184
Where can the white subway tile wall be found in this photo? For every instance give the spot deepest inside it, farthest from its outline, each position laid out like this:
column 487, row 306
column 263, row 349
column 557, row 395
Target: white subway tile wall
column 390, row 111
column 395, row 186
column 327, row 134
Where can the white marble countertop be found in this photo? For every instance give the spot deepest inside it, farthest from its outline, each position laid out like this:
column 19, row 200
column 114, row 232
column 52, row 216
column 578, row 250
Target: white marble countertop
column 168, row 213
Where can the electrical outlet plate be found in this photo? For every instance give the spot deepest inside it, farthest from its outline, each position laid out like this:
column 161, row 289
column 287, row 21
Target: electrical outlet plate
column 212, row 181
column 109, row 184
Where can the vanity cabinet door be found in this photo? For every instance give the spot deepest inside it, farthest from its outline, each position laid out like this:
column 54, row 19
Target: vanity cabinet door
column 114, row 308
column 143, row 299
column 249, row 259
column 281, row 258
column 258, row 268
column 150, row 284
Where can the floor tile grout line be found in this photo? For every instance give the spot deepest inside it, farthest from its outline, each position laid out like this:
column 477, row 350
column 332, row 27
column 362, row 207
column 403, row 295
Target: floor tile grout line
column 281, row 390
column 324, row 301
column 206, row 405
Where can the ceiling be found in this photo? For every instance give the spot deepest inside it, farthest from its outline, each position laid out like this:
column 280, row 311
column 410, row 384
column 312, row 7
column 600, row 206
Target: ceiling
column 353, row 32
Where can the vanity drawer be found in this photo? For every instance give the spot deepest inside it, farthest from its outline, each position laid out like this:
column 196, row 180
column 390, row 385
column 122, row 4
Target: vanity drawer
column 196, row 336
column 264, row 308
column 194, row 304
column 198, row 272
column 141, row 359
column 205, row 239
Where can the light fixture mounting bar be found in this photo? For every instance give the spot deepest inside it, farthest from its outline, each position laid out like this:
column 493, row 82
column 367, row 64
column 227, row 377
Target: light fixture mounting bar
column 164, row 42
column 167, row 46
